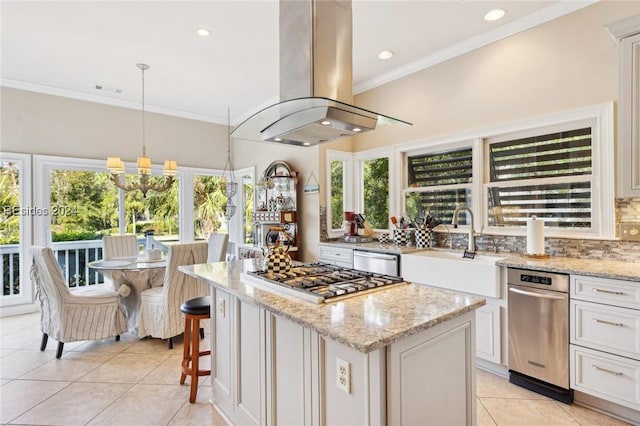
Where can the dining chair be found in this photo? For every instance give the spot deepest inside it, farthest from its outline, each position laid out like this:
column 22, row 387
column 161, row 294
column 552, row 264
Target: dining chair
column 217, row 247
column 160, row 315
column 89, row 313
column 119, row 246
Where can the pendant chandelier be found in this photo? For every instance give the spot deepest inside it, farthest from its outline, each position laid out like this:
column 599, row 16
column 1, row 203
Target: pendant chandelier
column 231, row 186
column 116, row 166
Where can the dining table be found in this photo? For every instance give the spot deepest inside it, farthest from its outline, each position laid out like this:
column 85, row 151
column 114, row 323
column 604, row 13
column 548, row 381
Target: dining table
column 130, row 276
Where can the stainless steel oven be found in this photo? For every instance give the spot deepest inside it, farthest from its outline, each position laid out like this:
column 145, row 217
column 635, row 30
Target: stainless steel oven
column 538, row 306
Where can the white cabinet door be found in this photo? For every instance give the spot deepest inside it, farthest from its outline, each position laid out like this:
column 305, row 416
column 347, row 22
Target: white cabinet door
column 488, row 332
column 341, row 256
column 222, row 351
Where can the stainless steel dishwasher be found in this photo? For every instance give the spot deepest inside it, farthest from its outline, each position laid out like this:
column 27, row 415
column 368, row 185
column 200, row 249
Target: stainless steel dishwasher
column 379, row 263
column 538, row 306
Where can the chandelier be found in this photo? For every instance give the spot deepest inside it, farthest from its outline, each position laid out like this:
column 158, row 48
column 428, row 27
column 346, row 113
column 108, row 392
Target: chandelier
column 116, row 166
column 231, row 186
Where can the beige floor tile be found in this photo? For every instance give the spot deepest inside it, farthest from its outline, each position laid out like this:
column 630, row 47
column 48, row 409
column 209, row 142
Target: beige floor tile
column 527, row 412
column 20, row 362
column 167, row 373
column 70, row 367
column 144, row 405
column 125, row 368
column 18, row 396
column 587, row 417
column 492, row 386
column 76, row 404
column 484, row 419
column 19, row 322
column 4, row 352
column 20, row 339
column 197, row 414
column 151, row 345
column 107, row 345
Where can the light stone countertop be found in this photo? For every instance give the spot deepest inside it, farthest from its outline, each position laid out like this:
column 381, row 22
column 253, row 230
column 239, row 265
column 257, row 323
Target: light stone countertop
column 390, row 247
column 365, row 323
column 570, row 265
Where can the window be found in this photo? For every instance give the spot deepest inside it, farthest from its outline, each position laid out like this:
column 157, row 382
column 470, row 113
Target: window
column 15, row 233
column 339, row 190
column 209, row 203
column 439, row 182
column 548, row 176
column 375, row 192
column 557, row 167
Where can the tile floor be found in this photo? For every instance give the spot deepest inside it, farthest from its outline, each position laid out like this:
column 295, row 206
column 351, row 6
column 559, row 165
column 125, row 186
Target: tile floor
column 135, row 382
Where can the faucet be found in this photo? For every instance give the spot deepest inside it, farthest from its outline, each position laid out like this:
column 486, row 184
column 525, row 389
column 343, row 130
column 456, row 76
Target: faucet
column 454, row 222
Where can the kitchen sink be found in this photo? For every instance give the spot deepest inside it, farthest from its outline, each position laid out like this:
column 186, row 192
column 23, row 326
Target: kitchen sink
column 448, row 269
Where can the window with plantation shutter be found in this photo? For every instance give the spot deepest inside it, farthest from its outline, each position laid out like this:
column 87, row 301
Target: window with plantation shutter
column 442, row 181
column 549, row 176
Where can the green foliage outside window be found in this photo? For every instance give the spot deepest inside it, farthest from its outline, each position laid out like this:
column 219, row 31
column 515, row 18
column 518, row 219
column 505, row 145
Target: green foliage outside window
column 376, row 192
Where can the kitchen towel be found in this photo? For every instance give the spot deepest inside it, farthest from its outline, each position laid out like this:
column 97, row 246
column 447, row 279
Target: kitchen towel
column 535, row 236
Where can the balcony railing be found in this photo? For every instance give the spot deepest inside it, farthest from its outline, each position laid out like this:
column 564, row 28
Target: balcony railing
column 73, row 257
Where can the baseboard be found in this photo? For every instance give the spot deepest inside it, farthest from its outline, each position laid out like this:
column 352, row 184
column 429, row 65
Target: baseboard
column 493, row 368
column 9, row 311
column 617, row 411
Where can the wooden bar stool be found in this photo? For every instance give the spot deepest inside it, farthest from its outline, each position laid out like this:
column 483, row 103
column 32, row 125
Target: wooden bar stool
column 194, row 310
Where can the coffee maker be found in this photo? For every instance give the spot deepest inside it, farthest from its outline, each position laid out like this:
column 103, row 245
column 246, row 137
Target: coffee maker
column 350, row 225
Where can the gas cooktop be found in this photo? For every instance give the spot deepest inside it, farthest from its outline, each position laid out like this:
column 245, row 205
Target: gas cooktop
column 322, row 282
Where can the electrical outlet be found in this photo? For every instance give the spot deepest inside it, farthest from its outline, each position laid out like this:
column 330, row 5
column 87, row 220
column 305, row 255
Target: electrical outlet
column 343, row 375
column 630, row 231
column 221, row 308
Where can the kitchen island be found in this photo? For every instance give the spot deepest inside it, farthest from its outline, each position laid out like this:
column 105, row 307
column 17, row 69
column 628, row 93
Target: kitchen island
column 403, row 355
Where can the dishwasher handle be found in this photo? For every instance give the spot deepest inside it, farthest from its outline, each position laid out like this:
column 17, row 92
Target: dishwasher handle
column 373, row 255
column 538, row 295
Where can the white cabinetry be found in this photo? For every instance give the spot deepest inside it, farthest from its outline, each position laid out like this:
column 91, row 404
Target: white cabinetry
column 335, row 255
column 488, row 331
column 627, row 33
column 269, row 370
column 605, row 339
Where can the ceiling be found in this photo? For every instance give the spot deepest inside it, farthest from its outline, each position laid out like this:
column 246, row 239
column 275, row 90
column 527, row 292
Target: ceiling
column 69, row 48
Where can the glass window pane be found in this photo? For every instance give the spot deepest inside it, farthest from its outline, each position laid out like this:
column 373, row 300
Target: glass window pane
column 376, row 192
column 83, row 207
column 440, row 168
column 157, row 212
column 440, row 204
column 10, row 227
column 247, row 224
column 337, row 194
column 209, row 202
column 563, row 205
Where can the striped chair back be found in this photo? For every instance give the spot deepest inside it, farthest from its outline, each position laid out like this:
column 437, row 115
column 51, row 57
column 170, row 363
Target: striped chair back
column 217, row 247
column 119, row 246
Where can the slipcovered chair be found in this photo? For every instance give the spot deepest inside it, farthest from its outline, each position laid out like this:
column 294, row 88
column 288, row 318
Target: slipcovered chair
column 160, row 314
column 119, row 246
column 217, row 247
column 90, row 313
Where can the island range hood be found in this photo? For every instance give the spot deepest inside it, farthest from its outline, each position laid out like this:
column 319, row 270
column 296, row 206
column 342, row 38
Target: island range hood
column 315, row 80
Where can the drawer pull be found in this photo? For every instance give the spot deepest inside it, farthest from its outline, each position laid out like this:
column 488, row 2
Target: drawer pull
column 616, row 373
column 599, row 290
column 617, row 324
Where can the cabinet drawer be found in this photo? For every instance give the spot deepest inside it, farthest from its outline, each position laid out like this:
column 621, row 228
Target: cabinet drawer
column 605, row 327
column 604, row 290
column 336, row 254
column 606, row 376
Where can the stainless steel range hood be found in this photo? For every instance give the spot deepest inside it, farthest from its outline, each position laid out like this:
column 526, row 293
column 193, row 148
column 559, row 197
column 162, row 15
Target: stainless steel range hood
column 315, row 79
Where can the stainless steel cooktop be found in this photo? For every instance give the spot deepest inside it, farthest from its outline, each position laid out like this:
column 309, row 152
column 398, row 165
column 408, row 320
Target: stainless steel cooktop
column 322, row 282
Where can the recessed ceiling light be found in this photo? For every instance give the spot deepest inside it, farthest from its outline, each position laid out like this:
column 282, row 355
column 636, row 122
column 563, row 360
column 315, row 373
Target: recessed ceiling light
column 203, row 32
column 357, row 129
column 306, row 143
column 494, row 15
column 385, row 54
column 277, row 139
column 325, row 122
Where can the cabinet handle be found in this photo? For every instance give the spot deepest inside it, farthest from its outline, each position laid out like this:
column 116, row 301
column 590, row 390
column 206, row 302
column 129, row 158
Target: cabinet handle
column 599, row 290
column 617, row 324
column 616, row 373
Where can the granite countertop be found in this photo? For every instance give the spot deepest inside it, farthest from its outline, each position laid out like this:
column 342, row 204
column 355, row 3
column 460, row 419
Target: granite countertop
column 570, row 265
column 375, row 246
column 364, row 323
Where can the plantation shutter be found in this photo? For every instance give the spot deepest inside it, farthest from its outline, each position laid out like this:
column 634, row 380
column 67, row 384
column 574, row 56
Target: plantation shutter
column 566, row 203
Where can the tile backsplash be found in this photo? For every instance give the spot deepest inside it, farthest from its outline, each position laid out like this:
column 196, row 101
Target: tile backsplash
column 627, row 210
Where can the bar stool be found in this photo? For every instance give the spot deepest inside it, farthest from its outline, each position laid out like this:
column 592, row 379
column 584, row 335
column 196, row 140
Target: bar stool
column 194, row 310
